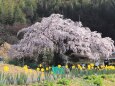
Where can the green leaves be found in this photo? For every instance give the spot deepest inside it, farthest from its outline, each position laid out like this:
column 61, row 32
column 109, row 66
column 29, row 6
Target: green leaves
column 8, row 79
column 21, row 79
column 64, row 81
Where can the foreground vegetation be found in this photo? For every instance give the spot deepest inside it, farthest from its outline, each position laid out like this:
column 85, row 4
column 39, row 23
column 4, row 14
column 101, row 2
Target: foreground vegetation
column 91, row 80
column 46, row 76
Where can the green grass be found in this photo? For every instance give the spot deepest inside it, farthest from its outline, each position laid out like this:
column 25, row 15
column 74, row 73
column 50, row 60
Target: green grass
column 91, row 80
column 74, row 78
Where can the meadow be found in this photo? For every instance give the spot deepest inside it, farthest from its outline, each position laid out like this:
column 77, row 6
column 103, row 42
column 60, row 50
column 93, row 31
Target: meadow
column 56, row 32
column 11, row 75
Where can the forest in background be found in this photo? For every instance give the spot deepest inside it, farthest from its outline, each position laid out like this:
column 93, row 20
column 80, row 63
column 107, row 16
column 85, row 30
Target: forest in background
column 98, row 15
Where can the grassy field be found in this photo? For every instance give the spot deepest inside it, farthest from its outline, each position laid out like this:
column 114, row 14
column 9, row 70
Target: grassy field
column 99, row 80
column 93, row 79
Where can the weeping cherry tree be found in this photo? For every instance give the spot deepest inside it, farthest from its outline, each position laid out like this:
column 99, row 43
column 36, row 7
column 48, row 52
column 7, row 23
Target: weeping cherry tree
column 55, row 34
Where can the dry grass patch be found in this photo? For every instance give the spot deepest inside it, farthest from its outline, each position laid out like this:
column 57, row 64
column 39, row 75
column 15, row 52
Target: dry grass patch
column 16, row 69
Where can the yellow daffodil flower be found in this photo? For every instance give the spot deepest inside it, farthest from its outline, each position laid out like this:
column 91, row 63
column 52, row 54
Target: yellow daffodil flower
column 47, row 68
column 59, row 66
column 40, row 65
column 25, row 68
column 98, row 67
column 80, row 68
column 66, row 66
column 73, row 67
column 6, row 68
column 92, row 65
column 78, row 65
column 42, row 69
column 38, row 69
column 89, row 67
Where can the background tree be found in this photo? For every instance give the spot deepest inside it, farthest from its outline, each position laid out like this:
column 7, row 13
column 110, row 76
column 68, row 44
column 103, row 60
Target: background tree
column 96, row 14
column 19, row 16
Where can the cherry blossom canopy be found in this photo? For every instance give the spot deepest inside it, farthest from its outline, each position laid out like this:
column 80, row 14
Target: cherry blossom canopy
column 57, row 33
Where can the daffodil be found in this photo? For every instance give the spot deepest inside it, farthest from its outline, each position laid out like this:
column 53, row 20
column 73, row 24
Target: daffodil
column 98, row 67
column 40, row 65
column 42, row 70
column 38, row 69
column 25, row 68
column 73, row 67
column 79, row 67
column 6, row 68
column 102, row 66
column 47, row 68
column 89, row 67
column 59, row 66
column 110, row 67
column 92, row 65
column 66, row 66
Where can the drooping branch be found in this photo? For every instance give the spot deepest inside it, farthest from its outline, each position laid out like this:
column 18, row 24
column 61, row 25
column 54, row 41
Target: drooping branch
column 58, row 34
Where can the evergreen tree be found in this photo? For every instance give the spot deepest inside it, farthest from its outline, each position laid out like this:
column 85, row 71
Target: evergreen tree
column 19, row 15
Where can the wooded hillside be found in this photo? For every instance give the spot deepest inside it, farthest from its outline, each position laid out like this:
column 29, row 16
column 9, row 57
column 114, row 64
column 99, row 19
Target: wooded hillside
column 96, row 14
